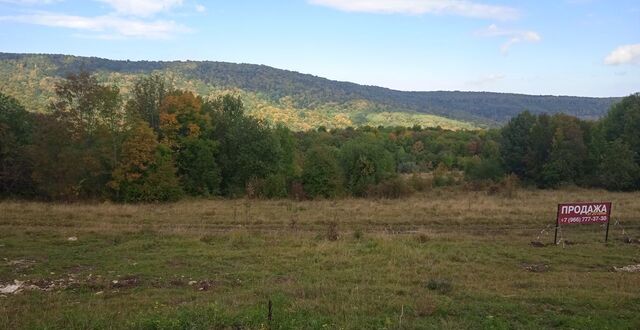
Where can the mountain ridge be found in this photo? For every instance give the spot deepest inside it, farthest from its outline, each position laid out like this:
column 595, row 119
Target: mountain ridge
column 6, row 55
column 310, row 93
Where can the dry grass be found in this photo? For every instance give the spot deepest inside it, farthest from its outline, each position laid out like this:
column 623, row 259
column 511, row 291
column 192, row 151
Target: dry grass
column 444, row 211
column 443, row 259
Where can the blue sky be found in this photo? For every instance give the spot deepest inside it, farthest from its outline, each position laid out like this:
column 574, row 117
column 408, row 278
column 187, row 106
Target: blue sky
column 558, row 47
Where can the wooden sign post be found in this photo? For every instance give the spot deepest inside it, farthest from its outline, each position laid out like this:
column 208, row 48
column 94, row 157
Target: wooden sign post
column 583, row 213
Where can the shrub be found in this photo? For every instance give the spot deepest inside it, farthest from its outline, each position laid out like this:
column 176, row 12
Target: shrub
column 392, row 189
column 482, row 169
column 321, row 174
column 442, row 176
column 419, row 183
column 365, row 161
column 274, row 186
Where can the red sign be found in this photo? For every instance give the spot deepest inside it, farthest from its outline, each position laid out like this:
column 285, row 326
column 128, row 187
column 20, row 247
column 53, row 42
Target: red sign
column 581, row 213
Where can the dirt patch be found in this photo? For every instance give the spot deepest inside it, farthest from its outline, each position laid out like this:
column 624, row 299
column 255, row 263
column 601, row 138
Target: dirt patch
column 12, row 288
column 204, row 285
column 41, row 285
column 48, row 285
column 628, row 269
column 20, row 265
column 126, row 282
column 101, row 284
column 536, row 268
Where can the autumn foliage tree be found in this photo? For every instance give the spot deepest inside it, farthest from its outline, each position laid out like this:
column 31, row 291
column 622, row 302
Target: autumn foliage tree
column 156, row 144
column 146, row 171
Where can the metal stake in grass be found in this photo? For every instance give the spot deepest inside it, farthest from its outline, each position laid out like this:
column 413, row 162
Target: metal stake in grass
column 270, row 315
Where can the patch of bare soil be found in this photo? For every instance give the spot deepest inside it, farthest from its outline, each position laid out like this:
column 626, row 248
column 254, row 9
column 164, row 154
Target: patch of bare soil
column 536, row 268
column 20, row 265
column 127, row 282
column 628, row 269
column 100, row 284
column 204, row 285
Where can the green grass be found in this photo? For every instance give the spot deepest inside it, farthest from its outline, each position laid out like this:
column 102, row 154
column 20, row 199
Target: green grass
column 432, row 261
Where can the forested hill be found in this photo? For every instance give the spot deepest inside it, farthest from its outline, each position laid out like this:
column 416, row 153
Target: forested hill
column 282, row 95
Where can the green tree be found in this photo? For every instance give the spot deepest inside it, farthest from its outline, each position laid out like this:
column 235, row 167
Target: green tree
column 60, row 166
column 623, row 122
column 16, row 126
column 162, row 183
column 516, row 143
column 568, row 154
column 248, row 149
column 96, row 121
column 147, row 95
column 481, row 169
column 365, row 162
column 541, row 140
column 618, row 169
column 321, row 173
column 197, row 168
column 83, row 104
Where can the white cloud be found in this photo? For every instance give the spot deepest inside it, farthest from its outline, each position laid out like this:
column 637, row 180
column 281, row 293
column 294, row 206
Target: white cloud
column 627, row 54
column 419, row 7
column 513, row 36
column 104, row 27
column 142, row 8
column 200, row 8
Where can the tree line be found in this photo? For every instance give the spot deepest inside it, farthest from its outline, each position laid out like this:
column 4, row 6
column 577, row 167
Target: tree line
column 304, row 91
column 162, row 144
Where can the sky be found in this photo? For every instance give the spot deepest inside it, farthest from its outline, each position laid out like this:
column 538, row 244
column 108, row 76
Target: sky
column 543, row 47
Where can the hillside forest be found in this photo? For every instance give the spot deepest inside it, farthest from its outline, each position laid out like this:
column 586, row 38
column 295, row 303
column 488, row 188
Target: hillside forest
column 158, row 143
column 299, row 101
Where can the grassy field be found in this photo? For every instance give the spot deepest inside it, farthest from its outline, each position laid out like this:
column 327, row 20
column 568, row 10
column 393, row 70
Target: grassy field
column 446, row 259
